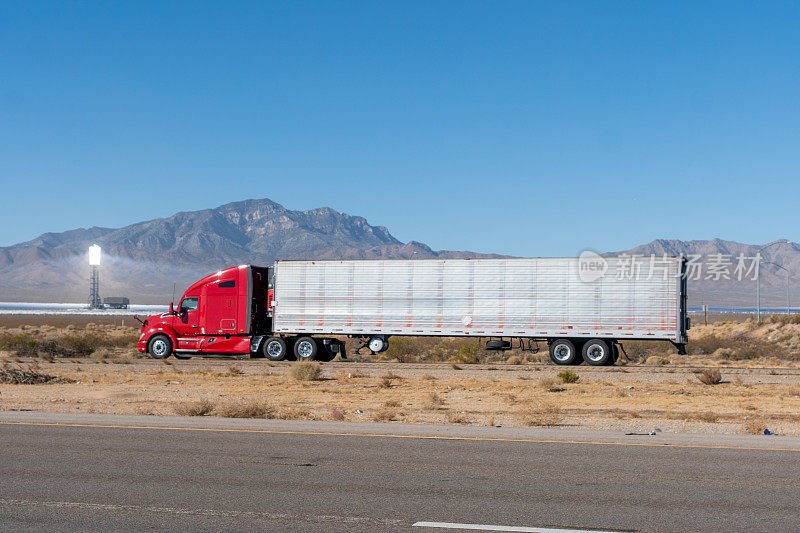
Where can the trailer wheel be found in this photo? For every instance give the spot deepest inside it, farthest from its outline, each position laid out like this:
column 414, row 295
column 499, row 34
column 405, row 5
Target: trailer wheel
column 305, row 348
column 597, row 352
column 274, row 349
column 378, row 344
column 159, row 347
column 563, row 352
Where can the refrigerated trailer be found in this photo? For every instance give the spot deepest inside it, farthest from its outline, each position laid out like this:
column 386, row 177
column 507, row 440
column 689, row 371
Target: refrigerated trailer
column 303, row 309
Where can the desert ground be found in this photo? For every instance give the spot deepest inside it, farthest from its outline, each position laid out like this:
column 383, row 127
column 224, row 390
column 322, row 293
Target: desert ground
column 740, row 377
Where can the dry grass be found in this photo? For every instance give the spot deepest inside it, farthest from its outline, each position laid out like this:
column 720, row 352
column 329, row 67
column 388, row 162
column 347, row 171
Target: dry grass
column 305, row 371
column 515, row 360
column 550, row 385
column 456, row 417
column 337, row 415
column 710, row 376
column 385, row 415
column 196, row 408
column 246, row 409
column 754, row 426
column 540, row 415
column 28, row 376
column 432, row 402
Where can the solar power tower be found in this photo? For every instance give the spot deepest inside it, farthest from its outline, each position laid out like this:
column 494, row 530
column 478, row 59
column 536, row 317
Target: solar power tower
column 94, row 277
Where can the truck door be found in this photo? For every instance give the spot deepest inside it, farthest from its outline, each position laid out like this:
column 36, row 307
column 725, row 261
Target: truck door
column 187, row 322
column 221, row 316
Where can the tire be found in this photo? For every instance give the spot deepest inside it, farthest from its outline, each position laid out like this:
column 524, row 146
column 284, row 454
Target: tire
column 305, row 349
column 159, row 347
column 563, row 352
column 597, row 352
column 377, row 344
column 274, row 349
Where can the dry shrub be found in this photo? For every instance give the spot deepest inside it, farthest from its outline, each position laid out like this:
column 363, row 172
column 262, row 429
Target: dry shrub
column 196, row 408
column 250, row 409
column 754, row 426
column 515, row 360
column 455, row 417
column 455, row 367
column 568, row 376
column 295, row 413
column 705, row 416
column 337, row 414
column 433, row 402
column 29, row 376
column 384, row 415
column 710, row 376
column 391, row 403
column 540, row 415
column 550, row 385
column 468, row 354
column 305, row 371
column 234, row 370
column 388, row 380
column 638, row 351
column 21, row 344
column 733, row 348
column 344, row 376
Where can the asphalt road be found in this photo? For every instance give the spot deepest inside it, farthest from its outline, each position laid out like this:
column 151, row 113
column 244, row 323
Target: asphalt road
column 85, row 472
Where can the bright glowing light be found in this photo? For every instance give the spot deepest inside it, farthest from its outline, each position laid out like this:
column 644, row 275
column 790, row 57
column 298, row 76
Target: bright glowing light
column 94, row 255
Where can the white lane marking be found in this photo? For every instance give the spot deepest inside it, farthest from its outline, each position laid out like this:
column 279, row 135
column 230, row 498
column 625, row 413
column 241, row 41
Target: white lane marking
column 201, row 512
column 488, row 527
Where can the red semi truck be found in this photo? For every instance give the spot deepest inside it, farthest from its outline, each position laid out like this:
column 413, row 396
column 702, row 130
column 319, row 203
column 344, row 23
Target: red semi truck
column 301, row 309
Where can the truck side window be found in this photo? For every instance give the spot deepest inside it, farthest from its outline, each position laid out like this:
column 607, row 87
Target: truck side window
column 229, row 283
column 188, row 304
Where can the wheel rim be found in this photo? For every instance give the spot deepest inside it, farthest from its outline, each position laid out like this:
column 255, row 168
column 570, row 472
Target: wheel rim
column 159, row 347
column 305, row 349
column 595, row 352
column 274, row 348
column 376, row 345
column 562, row 352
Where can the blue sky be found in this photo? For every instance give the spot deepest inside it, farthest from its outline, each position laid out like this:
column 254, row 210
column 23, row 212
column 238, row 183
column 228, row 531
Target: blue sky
column 526, row 128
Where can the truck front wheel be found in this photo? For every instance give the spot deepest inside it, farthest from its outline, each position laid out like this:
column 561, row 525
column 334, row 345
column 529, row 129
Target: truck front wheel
column 159, row 347
column 305, row 348
column 274, row 349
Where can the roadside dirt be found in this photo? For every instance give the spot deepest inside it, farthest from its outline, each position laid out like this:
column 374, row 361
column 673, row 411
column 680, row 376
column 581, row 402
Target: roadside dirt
column 629, row 399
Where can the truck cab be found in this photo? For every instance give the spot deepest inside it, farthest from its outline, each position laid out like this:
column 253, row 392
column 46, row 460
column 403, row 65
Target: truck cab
column 216, row 315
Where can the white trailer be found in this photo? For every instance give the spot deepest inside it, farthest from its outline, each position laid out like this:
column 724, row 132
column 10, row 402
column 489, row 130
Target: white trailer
column 581, row 314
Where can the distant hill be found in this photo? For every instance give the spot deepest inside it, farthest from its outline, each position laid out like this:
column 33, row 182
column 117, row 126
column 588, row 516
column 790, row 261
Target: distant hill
column 733, row 292
column 143, row 260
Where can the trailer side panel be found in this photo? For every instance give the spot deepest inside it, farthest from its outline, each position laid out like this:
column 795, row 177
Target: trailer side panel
column 634, row 298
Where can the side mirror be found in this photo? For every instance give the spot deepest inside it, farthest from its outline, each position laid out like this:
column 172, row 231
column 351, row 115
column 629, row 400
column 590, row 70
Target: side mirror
column 171, row 309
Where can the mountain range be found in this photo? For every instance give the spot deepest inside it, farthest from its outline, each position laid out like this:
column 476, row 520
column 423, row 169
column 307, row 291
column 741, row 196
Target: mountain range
column 144, row 260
